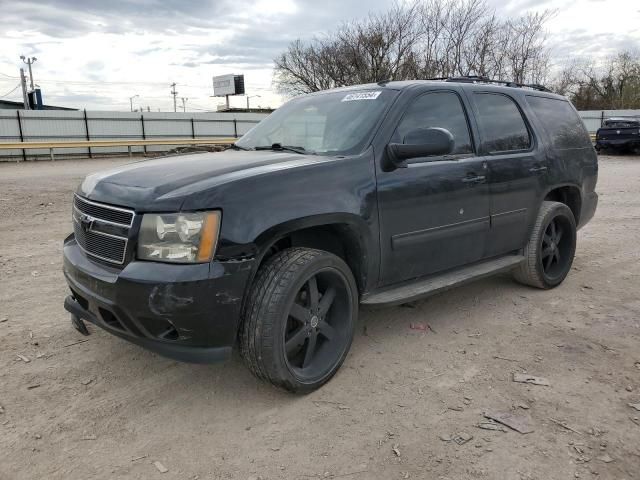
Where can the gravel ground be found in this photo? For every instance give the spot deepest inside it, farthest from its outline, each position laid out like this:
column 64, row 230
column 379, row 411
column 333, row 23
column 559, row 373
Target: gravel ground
column 106, row 409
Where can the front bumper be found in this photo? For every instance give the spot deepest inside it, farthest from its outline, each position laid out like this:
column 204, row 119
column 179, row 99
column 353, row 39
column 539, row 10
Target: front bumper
column 185, row 312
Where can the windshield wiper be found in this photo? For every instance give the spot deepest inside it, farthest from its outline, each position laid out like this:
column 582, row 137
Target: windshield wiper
column 278, row 147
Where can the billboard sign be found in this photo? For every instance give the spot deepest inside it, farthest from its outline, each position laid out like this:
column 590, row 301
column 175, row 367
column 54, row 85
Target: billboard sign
column 231, row 84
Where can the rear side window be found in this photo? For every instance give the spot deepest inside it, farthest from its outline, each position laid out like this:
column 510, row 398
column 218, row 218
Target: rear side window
column 501, row 124
column 441, row 110
column 560, row 122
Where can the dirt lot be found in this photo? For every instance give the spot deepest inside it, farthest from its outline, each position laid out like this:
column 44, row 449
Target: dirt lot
column 107, row 409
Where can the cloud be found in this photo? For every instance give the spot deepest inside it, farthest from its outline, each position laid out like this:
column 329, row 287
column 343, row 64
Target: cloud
column 586, row 45
column 69, row 18
column 97, row 53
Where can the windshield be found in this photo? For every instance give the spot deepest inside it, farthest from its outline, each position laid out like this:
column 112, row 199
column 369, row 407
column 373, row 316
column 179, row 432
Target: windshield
column 335, row 123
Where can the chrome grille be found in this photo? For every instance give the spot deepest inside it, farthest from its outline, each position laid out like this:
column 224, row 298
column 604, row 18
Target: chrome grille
column 105, row 213
column 101, row 230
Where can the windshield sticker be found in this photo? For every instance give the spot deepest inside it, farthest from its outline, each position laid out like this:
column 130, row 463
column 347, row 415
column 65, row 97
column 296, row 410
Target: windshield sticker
column 361, row 96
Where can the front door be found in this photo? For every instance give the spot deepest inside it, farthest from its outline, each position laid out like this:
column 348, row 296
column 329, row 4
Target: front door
column 434, row 214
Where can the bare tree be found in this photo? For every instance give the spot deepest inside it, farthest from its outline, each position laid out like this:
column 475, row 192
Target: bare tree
column 480, row 54
column 464, row 20
column 527, row 57
column 418, row 39
column 567, row 81
column 613, row 85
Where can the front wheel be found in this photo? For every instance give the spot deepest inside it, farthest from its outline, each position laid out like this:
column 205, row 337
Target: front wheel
column 551, row 247
column 299, row 319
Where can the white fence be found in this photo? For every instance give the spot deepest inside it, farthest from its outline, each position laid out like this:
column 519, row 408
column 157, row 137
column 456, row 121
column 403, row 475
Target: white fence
column 60, row 125
column 593, row 118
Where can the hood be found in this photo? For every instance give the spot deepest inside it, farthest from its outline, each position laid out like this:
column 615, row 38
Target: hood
column 164, row 183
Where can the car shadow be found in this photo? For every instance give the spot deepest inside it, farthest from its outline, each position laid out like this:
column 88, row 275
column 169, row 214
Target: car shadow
column 221, row 383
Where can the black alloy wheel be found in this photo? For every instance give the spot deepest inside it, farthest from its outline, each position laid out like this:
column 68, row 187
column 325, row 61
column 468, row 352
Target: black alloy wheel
column 554, row 250
column 315, row 335
column 299, row 319
column 551, row 247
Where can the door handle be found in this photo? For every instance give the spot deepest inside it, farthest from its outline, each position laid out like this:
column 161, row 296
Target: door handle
column 474, row 179
column 538, row 169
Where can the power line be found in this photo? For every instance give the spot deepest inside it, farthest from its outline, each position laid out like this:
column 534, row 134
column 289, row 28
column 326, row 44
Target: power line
column 105, row 82
column 10, row 92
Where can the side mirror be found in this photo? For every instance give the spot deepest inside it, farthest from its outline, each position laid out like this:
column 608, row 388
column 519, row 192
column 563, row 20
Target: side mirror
column 422, row 142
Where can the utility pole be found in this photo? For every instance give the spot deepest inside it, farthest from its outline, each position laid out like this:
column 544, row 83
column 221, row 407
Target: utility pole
column 23, row 84
column 29, row 62
column 184, row 104
column 175, row 96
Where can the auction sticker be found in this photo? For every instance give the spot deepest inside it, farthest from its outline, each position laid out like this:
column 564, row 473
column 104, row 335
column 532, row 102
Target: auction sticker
column 361, row 96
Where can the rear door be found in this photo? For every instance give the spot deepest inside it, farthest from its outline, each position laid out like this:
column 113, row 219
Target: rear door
column 434, row 215
column 517, row 169
column 571, row 156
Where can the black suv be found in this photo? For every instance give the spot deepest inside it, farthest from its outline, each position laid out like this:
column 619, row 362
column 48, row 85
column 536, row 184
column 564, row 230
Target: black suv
column 374, row 194
column 618, row 135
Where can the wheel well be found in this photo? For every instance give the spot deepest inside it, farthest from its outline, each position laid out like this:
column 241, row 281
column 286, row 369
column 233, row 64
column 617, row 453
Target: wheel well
column 340, row 239
column 568, row 195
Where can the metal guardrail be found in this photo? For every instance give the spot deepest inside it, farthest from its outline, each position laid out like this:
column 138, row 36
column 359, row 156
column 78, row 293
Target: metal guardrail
column 112, row 143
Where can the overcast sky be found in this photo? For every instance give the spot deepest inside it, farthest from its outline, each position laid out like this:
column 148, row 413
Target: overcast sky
column 95, row 54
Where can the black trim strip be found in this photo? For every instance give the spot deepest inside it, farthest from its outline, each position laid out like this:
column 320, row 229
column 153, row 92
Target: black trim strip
column 404, row 240
column 507, row 218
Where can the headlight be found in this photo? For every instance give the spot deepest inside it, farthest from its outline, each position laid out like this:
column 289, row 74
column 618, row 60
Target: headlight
column 179, row 237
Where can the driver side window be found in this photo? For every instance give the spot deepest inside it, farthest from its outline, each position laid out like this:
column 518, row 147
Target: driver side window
column 438, row 110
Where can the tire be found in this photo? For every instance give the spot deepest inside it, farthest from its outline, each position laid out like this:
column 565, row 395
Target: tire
column 551, row 247
column 285, row 317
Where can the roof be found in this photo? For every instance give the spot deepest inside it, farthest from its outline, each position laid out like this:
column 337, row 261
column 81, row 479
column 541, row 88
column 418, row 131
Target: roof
column 11, row 105
column 497, row 85
column 622, row 119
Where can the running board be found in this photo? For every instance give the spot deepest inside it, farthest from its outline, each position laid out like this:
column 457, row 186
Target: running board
column 420, row 288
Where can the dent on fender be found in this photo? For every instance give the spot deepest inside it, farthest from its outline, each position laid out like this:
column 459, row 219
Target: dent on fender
column 164, row 299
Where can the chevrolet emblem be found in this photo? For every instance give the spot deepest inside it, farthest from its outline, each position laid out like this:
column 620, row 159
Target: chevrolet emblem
column 86, row 222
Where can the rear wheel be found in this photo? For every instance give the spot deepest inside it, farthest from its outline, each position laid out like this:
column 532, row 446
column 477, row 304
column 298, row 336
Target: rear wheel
column 299, row 320
column 551, row 247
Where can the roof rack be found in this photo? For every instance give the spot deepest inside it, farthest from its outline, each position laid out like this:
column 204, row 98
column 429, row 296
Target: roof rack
column 481, row 79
